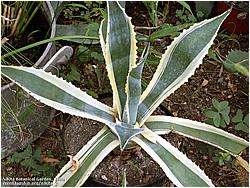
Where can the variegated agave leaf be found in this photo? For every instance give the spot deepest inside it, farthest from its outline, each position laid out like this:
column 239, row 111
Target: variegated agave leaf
column 198, row 131
column 133, row 89
column 124, row 132
column 58, row 93
column 88, row 158
column 178, row 168
column 63, row 96
column 178, row 63
column 119, row 52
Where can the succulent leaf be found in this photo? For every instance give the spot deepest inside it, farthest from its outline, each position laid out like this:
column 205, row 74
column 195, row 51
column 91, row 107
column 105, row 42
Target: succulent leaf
column 133, row 89
column 198, row 131
column 125, row 132
column 120, row 52
column 177, row 167
column 103, row 35
column 118, row 42
column 178, row 63
column 58, row 93
column 88, row 157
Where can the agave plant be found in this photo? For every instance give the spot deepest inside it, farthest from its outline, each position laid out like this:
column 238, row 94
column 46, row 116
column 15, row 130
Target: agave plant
column 130, row 119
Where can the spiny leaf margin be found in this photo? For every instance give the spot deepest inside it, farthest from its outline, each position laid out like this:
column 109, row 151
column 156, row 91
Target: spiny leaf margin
column 151, row 100
column 166, row 155
column 106, row 114
column 103, row 138
column 114, row 71
column 195, row 130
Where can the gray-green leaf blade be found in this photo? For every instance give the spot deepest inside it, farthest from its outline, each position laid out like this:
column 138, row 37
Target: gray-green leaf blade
column 133, row 89
column 198, row 131
column 58, row 93
column 177, row 167
column 178, row 63
column 120, row 52
column 89, row 157
column 125, row 133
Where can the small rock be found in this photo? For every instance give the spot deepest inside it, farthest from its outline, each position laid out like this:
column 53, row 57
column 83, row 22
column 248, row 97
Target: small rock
column 220, row 80
column 139, row 154
column 104, row 177
column 175, row 113
column 9, row 169
column 205, row 157
column 172, row 185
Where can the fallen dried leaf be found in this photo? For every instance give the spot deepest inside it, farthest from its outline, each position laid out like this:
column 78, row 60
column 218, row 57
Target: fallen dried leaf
column 213, row 62
column 49, row 160
column 242, row 162
column 221, row 70
column 74, row 163
column 232, row 87
column 204, row 83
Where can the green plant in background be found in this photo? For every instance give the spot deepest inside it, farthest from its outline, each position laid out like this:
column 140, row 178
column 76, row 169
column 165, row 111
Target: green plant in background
column 16, row 16
column 204, row 7
column 68, row 12
column 219, row 114
column 235, row 61
column 73, row 75
column 28, row 159
column 89, row 11
column 169, row 30
column 130, row 120
column 124, row 180
column 32, row 161
column 152, row 10
column 186, row 15
column 85, row 54
column 88, row 21
column 242, row 123
column 222, row 158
